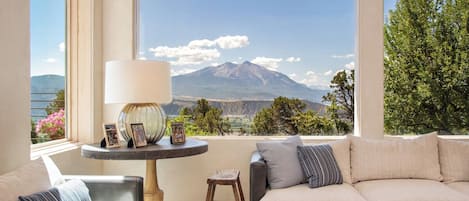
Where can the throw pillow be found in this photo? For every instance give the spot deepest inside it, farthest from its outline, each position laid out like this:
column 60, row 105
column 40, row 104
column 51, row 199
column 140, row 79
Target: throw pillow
column 28, row 179
column 454, row 160
column 50, row 195
column 341, row 150
column 395, row 158
column 283, row 167
column 319, row 165
column 73, row 190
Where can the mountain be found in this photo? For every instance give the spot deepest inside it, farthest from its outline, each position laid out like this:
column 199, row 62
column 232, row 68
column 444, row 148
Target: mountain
column 238, row 107
column 246, row 81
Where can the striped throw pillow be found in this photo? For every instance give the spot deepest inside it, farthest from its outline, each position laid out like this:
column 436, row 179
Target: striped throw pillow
column 50, row 195
column 319, row 165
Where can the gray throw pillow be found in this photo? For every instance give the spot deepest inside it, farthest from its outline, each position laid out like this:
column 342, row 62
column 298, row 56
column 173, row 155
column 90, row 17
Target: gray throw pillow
column 283, row 167
column 319, row 165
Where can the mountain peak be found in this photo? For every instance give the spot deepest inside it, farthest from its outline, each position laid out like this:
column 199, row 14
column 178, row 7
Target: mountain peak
column 240, row 81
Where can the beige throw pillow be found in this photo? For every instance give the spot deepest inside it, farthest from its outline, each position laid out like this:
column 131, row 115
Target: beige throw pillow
column 30, row 178
column 341, row 150
column 454, row 160
column 395, row 159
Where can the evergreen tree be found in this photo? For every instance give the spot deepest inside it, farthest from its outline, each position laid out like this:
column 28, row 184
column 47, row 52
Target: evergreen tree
column 427, row 67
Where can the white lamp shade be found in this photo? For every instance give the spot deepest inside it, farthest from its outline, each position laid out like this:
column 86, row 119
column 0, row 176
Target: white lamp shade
column 137, row 82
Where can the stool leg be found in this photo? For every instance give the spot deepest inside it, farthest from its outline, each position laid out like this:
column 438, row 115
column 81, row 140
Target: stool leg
column 240, row 189
column 212, row 196
column 209, row 193
column 235, row 191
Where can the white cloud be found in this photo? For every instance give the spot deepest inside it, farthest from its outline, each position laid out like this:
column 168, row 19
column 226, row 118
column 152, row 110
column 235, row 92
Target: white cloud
column 345, row 56
column 292, row 75
column 199, row 51
column 270, row 63
column 350, row 66
column 62, row 47
column 201, row 43
column 230, row 42
column 293, row 59
column 215, row 64
column 186, row 55
column 240, row 58
column 315, row 80
column 50, row 60
column 327, row 73
column 182, row 71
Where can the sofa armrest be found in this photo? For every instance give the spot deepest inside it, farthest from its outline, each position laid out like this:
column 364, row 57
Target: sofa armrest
column 112, row 188
column 257, row 177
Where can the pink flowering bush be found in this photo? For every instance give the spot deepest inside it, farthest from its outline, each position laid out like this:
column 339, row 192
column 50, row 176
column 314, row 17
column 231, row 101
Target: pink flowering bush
column 53, row 125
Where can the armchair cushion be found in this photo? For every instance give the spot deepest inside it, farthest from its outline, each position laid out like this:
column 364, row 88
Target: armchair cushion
column 454, row 160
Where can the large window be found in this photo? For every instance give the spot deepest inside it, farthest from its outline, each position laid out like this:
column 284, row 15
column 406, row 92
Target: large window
column 426, row 67
column 254, row 67
column 48, row 67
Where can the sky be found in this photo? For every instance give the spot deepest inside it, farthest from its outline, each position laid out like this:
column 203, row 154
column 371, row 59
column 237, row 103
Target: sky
column 307, row 40
column 47, row 21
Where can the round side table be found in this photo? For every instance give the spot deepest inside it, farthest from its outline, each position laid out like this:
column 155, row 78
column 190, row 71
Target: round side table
column 150, row 153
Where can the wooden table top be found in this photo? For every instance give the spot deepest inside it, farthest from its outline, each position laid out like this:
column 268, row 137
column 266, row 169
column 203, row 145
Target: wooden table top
column 164, row 149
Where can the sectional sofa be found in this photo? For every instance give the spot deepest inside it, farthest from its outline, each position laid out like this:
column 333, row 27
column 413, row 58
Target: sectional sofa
column 426, row 168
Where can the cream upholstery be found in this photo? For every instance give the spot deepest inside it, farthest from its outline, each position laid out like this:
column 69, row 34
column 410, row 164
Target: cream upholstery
column 454, row 160
column 462, row 187
column 343, row 192
column 341, row 149
column 31, row 178
column 408, row 190
column 395, row 159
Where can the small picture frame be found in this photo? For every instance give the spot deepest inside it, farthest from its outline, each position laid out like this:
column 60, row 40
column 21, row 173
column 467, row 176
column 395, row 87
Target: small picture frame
column 178, row 135
column 110, row 135
column 138, row 135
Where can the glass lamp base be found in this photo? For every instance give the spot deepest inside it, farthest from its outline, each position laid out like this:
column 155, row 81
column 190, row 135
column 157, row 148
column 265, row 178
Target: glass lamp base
column 150, row 114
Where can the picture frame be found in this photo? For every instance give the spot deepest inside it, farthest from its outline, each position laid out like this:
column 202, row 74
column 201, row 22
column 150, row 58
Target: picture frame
column 178, row 135
column 111, row 136
column 138, row 135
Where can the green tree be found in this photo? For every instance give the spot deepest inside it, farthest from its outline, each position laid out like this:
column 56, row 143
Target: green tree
column 279, row 117
column 427, row 67
column 263, row 123
column 58, row 103
column 342, row 95
column 206, row 118
column 309, row 123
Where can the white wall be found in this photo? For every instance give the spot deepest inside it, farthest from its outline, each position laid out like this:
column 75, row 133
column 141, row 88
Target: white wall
column 14, row 84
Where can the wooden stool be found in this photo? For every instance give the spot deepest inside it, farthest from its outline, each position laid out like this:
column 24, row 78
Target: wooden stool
column 225, row 177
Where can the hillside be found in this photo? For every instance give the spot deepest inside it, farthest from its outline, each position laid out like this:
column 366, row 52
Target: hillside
column 241, row 107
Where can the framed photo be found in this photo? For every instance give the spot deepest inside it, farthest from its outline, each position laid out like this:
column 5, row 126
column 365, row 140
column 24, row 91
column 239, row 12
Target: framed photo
column 178, row 135
column 138, row 135
column 111, row 136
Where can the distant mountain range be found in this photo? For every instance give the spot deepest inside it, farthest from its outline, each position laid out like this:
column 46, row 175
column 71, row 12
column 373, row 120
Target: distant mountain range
column 246, row 81
column 237, row 89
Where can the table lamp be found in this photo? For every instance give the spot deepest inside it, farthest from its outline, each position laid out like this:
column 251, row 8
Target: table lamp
column 142, row 86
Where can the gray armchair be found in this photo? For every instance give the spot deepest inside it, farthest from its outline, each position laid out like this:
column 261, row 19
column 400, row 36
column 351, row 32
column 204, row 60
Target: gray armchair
column 257, row 177
column 112, row 188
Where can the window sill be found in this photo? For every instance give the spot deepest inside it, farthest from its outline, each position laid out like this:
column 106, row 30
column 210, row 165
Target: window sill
column 54, row 147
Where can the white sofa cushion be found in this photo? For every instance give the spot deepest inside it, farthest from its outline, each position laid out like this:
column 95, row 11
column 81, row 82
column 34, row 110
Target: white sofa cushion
column 454, row 160
column 30, row 178
column 462, row 187
column 340, row 192
column 408, row 190
column 341, row 149
column 395, row 158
